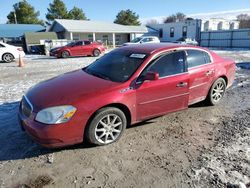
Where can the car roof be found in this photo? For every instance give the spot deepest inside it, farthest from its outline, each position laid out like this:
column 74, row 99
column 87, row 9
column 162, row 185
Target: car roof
column 150, row 48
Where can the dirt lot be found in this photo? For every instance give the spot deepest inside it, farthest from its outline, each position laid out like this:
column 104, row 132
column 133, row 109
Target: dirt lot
column 198, row 147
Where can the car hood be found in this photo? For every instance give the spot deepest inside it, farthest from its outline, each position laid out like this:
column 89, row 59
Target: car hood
column 67, row 88
column 55, row 49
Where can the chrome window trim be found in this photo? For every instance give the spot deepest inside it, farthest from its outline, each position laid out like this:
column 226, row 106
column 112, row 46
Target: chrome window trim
column 174, row 50
column 165, row 52
column 211, row 58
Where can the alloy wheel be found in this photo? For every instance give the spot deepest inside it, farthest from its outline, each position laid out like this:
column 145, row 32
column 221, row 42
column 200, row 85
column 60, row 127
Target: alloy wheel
column 218, row 91
column 108, row 129
column 8, row 58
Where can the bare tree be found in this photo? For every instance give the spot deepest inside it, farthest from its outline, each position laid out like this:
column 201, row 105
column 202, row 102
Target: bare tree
column 244, row 20
column 178, row 17
column 152, row 22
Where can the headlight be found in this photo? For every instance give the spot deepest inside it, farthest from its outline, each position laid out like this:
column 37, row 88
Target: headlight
column 56, row 115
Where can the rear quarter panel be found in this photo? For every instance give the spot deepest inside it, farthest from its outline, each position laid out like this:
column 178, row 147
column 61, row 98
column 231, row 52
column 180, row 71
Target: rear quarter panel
column 224, row 67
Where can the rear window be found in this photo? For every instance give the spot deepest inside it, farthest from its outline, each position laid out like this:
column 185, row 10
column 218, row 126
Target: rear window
column 197, row 58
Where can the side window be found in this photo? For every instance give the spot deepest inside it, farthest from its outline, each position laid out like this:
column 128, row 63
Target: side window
column 169, row 64
column 87, row 42
column 79, row 43
column 145, row 40
column 196, row 58
column 172, row 32
column 184, row 31
column 161, row 33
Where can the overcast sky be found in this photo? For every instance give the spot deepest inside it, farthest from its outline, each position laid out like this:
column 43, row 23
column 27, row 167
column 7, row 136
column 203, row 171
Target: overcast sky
column 106, row 10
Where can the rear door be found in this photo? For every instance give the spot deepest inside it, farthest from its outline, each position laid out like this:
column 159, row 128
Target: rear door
column 87, row 48
column 201, row 71
column 169, row 93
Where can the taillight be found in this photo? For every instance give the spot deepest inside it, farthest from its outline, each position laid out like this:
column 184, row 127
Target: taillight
column 20, row 49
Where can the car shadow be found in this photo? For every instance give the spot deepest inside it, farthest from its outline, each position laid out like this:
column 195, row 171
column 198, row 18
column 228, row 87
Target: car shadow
column 199, row 105
column 16, row 144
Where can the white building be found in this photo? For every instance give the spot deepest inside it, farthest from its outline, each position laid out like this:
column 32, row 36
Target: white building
column 109, row 33
column 215, row 24
column 170, row 32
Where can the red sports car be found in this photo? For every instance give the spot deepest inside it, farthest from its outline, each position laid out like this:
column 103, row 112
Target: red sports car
column 128, row 85
column 79, row 48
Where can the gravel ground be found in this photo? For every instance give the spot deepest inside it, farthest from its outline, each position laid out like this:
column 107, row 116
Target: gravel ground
column 198, row 147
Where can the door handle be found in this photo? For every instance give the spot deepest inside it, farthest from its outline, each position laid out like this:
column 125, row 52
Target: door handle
column 182, row 84
column 209, row 72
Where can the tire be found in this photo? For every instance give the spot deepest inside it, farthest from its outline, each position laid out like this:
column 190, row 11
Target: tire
column 106, row 127
column 96, row 53
column 65, row 54
column 8, row 57
column 216, row 92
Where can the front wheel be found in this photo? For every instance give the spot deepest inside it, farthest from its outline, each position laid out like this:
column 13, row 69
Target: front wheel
column 106, row 127
column 96, row 53
column 65, row 54
column 216, row 91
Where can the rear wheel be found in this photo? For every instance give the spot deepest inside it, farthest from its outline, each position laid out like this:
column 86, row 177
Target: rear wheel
column 8, row 57
column 106, row 127
column 96, row 52
column 65, row 54
column 216, row 92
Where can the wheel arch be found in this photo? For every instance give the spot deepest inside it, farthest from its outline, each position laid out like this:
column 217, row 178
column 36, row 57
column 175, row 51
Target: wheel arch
column 67, row 50
column 120, row 106
column 220, row 76
column 7, row 53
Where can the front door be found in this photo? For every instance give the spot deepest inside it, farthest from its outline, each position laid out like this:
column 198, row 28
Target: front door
column 76, row 50
column 167, row 94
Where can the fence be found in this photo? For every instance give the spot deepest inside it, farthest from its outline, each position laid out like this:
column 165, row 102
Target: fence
column 239, row 38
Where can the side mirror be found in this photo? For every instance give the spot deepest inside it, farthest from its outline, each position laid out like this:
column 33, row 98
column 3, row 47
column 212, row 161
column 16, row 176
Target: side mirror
column 151, row 76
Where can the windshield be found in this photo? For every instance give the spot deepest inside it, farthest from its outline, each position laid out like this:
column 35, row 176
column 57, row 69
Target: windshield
column 117, row 66
column 136, row 40
column 71, row 44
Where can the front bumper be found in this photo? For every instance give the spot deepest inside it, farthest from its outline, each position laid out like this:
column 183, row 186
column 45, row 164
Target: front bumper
column 51, row 136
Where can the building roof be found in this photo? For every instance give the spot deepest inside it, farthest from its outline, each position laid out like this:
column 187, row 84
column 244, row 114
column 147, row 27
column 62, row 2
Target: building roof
column 97, row 27
column 35, row 37
column 18, row 30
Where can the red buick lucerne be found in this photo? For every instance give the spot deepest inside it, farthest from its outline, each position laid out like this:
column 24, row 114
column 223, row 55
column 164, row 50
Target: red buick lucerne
column 128, row 85
column 79, row 48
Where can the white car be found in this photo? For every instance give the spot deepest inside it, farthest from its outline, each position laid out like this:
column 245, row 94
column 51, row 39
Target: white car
column 140, row 40
column 8, row 52
column 187, row 41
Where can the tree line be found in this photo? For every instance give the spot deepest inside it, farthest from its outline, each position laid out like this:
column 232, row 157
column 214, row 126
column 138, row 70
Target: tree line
column 24, row 13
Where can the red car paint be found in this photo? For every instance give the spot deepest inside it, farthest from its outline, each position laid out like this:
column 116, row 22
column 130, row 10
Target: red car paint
column 140, row 101
column 85, row 49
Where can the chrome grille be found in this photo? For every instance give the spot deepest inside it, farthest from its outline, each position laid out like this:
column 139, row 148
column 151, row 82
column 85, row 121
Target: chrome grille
column 26, row 107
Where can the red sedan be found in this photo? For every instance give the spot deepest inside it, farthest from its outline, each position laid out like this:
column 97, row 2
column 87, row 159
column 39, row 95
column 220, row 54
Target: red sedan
column 79, row 48
column 126, row 86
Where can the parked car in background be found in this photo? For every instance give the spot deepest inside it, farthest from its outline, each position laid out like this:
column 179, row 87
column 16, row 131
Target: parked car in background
column 79, row 48
column 187, row 41
column 127, row 85
column 8, row 52
column 141, row 40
